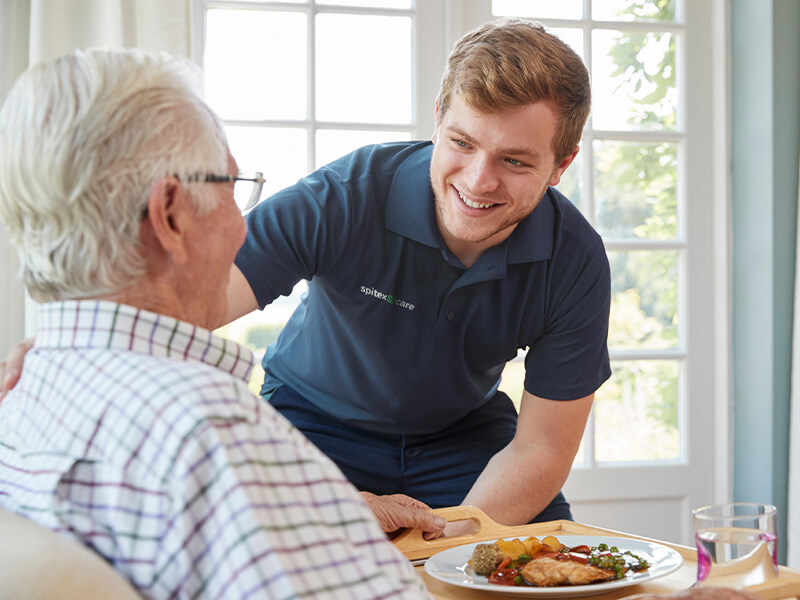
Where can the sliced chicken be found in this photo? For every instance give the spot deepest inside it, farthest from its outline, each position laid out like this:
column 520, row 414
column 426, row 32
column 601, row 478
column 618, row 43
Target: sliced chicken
column 548, row 572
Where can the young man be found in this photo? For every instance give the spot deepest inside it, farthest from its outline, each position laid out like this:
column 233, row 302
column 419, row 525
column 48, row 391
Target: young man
column 429, row 267
column 132, row 429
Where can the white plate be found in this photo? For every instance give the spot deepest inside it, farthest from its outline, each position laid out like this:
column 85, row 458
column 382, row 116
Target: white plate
column 450, row 566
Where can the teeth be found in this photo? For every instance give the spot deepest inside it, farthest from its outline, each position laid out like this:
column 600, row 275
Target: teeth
column 473, row 204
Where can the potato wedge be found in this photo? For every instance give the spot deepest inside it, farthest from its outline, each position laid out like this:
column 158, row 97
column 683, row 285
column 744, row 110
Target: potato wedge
column 512, row 548
column 533, row 545
column 552, row 542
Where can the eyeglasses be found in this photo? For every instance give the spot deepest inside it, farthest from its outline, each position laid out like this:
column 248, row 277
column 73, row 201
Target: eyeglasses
column 246, row 187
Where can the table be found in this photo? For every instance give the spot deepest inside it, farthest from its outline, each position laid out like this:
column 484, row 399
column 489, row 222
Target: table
column 787, row 585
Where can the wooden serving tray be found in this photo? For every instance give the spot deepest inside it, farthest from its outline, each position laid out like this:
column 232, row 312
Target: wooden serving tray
column 415, row 547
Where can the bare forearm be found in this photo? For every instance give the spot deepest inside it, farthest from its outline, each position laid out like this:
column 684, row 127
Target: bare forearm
column 516, row 486
column 522, row 479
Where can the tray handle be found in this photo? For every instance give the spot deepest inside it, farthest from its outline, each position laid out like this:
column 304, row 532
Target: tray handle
column 411, row 543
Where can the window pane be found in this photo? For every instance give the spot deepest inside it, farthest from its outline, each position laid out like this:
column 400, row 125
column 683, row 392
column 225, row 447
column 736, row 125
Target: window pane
column 280, row 154
column 644, row 299
column 635, row 190
column 634, row 10
column 369, row 3
column 513, row 379
column 633, row 80
column 363, row 68
column 572, row 37
column 255, row 64
column 538, row 9
column 335, row 143
column 636, row 412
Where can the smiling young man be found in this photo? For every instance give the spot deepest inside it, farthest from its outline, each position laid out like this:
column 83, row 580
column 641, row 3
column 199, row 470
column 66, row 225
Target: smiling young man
column 429, row 266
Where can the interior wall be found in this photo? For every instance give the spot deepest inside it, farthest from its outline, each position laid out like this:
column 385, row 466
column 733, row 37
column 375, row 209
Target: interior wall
column 765, row 142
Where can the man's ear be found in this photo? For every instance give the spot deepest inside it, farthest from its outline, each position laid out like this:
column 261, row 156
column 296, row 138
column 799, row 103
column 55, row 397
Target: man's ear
column 555, row 176
column 169, row 213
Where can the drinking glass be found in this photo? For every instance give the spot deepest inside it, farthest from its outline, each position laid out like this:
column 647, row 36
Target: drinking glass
column 737, row 544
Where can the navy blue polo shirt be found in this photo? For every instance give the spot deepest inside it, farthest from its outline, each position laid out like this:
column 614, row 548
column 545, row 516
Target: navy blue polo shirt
column 394, row 334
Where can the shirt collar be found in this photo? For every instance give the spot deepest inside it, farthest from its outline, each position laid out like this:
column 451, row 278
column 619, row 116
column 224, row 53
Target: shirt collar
column 410, row 205
column 410, row 213
column 112, row 326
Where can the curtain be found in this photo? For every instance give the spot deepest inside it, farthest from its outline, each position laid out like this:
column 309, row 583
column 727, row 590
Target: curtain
column 35, row 30
column 13, row 60
column 59, row 26
column 793, row 518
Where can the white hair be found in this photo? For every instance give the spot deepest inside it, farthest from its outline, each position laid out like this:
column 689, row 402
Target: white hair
column 82, row 140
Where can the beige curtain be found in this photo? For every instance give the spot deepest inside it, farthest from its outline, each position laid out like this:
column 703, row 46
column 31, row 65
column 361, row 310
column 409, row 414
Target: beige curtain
column 13, row 60
column 36, row 30
column 793, row 518
column 59, row 26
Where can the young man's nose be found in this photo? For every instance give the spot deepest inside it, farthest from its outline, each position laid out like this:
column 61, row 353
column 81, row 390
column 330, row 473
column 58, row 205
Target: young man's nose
column 482, row 175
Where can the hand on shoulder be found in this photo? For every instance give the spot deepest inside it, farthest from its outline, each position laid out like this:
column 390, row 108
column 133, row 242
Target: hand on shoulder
column 11, row 367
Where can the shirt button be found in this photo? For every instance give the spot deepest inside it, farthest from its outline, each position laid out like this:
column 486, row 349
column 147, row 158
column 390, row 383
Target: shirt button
column 451, row 315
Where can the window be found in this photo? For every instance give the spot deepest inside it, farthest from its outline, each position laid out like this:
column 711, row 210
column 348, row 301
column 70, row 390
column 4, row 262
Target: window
column 296, row 89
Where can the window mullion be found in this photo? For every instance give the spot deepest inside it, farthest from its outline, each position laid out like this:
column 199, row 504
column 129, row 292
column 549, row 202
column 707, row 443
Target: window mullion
column 311, row 101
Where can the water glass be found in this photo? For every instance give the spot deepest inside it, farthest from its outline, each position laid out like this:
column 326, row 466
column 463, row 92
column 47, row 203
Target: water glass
column 737, row 544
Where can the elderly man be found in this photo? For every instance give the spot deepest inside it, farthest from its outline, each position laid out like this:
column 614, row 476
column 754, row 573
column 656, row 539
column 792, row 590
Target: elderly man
column 132, row 429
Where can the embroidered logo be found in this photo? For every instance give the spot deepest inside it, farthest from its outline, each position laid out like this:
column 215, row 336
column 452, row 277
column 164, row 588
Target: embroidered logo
column 391, row 299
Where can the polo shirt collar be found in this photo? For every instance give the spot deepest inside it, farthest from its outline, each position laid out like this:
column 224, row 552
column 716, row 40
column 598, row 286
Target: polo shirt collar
column 410, row 213
column 410, row 205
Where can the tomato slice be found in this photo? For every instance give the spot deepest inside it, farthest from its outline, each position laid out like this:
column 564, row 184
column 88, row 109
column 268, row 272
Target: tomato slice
column 503, row 576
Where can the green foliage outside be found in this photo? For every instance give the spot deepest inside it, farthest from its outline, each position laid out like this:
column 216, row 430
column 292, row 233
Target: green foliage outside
column 258, row 337
column 637, row 199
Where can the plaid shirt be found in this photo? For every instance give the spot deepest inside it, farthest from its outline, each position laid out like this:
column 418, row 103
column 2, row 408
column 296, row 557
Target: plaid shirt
column 136, row 435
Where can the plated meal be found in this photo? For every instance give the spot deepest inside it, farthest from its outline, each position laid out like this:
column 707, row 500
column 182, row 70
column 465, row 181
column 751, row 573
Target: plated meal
column 569, row 566
column 549, row 563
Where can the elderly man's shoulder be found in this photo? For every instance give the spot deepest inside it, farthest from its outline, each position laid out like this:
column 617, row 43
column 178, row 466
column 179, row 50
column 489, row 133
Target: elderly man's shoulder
column 192, row 387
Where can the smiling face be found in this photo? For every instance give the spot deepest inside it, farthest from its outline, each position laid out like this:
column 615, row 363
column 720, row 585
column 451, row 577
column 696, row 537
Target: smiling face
column 489, row 171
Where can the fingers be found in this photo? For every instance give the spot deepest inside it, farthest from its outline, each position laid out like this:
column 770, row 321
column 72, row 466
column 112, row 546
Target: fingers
column 396, row 512
column 426, row 521
column 404, row 500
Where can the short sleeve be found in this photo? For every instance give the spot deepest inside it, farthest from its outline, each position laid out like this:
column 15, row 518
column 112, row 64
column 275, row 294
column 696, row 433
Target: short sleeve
column 292, row 235
column 570, row 360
